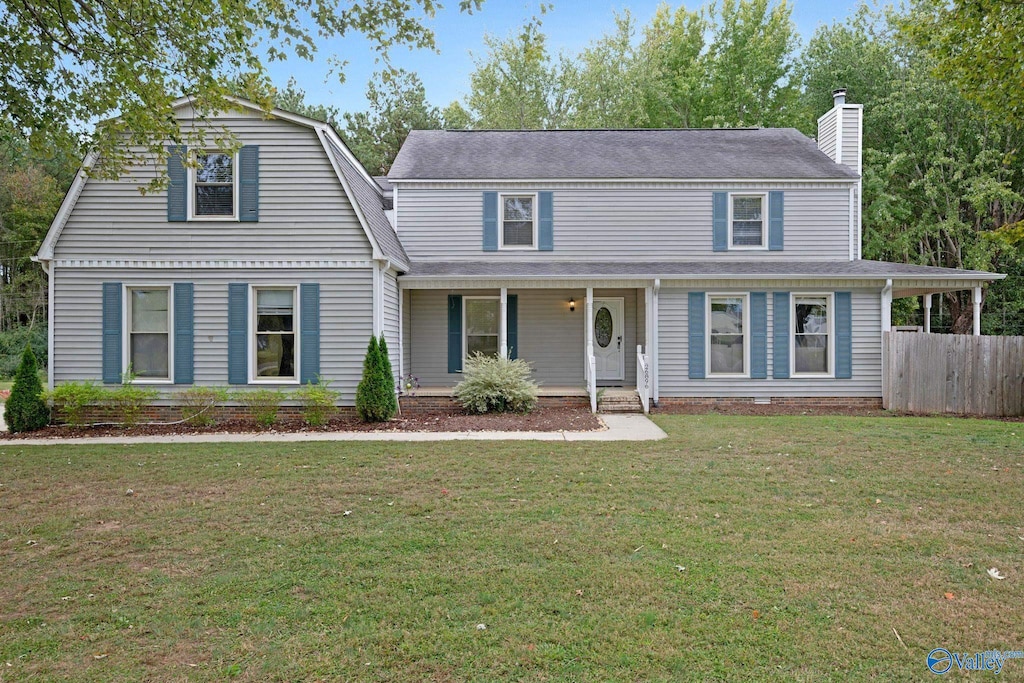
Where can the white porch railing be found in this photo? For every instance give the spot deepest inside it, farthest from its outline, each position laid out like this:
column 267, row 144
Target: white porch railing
column 643, row 379
column 592, row 381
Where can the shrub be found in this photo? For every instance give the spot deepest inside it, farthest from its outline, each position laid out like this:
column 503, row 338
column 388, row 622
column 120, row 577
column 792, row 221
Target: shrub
column 495, row 384
column 262, row 405
column 25, row 410
column 197, row 404
column 130, row 399
column 317, row 402
column 71, row 400
column 375, row 395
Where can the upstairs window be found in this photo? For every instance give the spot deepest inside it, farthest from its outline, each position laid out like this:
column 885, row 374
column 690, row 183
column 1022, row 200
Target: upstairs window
column 518, row 221
column 213, row 186
column 747, row 221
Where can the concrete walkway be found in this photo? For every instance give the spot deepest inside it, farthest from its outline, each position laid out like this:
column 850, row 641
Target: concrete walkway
column 620, row 428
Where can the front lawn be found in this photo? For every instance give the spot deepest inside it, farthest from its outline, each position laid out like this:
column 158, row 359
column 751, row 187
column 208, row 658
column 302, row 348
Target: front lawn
column 790, row 548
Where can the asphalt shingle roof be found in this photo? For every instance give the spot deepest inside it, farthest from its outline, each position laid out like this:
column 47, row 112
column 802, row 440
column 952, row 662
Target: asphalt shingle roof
column 720, row 153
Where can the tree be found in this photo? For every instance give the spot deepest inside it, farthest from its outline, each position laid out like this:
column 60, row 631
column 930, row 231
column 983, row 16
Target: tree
column 123, row 64
column 375, row 395
column 398, row 104
column 293, row 98
column 25, row 410
column 976, row 44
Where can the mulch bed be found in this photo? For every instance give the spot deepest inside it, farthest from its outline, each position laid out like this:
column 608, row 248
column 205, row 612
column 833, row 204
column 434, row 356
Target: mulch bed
column 540, row 420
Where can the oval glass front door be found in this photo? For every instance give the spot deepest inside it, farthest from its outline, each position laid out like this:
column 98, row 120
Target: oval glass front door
column 603, row 327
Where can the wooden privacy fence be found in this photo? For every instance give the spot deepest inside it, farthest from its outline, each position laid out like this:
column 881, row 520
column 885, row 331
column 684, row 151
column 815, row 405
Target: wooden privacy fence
column 953, row 373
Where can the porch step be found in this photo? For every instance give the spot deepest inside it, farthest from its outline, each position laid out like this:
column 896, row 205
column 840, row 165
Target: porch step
column 620, row 402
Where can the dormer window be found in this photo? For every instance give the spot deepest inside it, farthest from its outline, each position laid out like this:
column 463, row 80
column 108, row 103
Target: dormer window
column 518, row 227
column 747, row 221
column 213, row 186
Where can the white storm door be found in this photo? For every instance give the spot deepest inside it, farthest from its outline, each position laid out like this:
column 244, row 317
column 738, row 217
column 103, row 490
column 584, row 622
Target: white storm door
column 609, row 343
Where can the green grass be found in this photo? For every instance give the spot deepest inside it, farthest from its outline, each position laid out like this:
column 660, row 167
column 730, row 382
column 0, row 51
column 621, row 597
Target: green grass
column 805, row 542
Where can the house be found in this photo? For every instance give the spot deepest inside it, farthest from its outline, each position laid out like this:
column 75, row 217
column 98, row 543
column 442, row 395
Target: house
column 691, row 265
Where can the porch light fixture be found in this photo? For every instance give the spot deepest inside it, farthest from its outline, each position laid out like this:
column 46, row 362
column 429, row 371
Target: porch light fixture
column 572, row 305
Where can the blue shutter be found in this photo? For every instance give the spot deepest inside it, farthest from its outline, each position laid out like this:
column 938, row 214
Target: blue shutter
column 184, row 333
column 696, row 346
column 844, row 335
column 512, row 325
column 177, row 188
column 490, row 221
column 780, row 335
column 249, row 184
column 720, row 221
column 454, row 333
column 309, row 332
column 775, row 214
column 546, row 227
column 112, row 322
column 238, row 332
column 758, row 335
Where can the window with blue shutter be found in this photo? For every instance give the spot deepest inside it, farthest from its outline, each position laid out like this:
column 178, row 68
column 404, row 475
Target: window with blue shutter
column 177, row 187
column 720, row 221
column 184, row 333
column 490, row 227
column 780, row 335
column 238, row 330
column 695, row 349
column 546, row 226
column 776, row 212
column 249, row 184
column 112, row 326
column 454, row 333
column 844, row 335
column 758, row 335
column 512, row 325
column 309, row 337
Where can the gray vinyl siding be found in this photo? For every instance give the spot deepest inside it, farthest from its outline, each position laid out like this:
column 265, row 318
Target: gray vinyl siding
column 391, row 320
column 303, row 209
column 622, row 221
column 673, row 356
column 551, row 337
column 851, row 137
column 346, row 319
column 827, row 137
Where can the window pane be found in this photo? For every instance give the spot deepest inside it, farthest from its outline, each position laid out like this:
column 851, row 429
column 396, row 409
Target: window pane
column 215, row 200
column 149, row 310
column 275, row 355
column 746, row 208
column 517, row 234
column 215, row 168
column 811, row 353
column 747, row 234
column 149, row 355
column 518, row 209
column 485, row 344
column 275, row 310
column 812, row 315
column 727, row 353
column 482, row 316
column 727, row 316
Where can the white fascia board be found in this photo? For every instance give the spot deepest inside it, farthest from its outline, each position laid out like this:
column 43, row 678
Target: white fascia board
column 555, row 181
column 46, row 249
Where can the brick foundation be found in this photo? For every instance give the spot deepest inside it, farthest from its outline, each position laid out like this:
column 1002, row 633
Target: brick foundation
column 667, row 404
column 172, row 413
column 418, row 405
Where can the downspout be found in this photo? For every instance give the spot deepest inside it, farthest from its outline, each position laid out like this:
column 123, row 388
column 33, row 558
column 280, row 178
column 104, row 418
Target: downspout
column 654, row 346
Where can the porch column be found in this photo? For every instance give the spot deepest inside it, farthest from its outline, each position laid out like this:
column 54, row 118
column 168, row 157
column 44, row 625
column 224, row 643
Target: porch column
column 503, row 324
column 886, row 327
column 927, row 313
column 977, row 311
column 589, row 322
column 887, row 306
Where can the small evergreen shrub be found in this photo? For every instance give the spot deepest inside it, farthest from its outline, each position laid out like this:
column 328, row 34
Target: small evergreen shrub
column 197, row 404
column 72, row 399
column 26, row 410
column 375, row 395
column 131, row 400
column 318, row 402
column 495, row 384
column 261, row 404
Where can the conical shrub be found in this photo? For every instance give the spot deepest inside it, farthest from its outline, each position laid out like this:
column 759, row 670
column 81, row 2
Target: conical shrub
column 25, row 410
column 375, row 395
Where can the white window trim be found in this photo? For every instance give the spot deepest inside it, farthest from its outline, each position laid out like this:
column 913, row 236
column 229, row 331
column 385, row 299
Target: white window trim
column 251, row 335
column 465, row 329
column 831, row 356
column 746, row 333
column 764, row 222
column 126, row 331
column 191, row 198
column 501, row 221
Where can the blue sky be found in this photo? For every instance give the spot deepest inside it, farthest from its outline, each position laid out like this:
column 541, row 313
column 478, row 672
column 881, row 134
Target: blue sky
column 569, row 26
